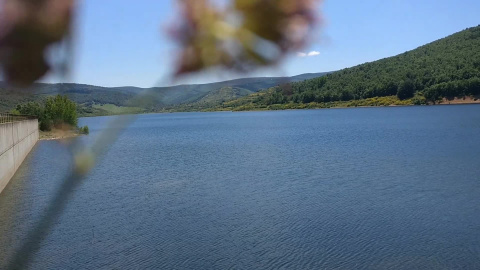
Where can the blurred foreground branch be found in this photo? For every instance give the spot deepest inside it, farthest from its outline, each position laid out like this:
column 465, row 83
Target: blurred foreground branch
column 245, row 35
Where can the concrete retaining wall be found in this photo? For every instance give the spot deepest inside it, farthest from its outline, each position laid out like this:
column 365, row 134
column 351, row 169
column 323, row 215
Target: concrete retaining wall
column 16, row 141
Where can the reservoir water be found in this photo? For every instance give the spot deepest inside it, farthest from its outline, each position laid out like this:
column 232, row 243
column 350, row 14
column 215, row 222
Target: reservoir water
column 360, row 188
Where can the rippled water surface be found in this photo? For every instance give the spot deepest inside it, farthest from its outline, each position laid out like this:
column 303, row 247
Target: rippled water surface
column 366, row 188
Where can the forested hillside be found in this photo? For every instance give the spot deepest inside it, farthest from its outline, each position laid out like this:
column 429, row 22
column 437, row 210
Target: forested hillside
column 446, row 68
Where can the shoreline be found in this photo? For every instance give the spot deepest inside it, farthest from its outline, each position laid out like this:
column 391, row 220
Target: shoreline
column 58, row 134
column 445, row 102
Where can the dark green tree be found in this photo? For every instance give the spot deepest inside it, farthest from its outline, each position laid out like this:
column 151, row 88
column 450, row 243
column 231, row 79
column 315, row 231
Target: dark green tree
column 406, row 89
column 57, row 112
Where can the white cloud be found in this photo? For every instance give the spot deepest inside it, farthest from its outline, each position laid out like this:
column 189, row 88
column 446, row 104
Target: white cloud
column 309, row 54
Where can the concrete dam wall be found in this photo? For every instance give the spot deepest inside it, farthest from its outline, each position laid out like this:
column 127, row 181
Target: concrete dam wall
column 17, row 139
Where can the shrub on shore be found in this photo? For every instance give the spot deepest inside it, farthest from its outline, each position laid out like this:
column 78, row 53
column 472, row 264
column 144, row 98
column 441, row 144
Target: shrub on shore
column 57, row 112
column 84, row 130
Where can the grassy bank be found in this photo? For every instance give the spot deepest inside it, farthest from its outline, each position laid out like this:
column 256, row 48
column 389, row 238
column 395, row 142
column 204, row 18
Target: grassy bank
column 369, row 102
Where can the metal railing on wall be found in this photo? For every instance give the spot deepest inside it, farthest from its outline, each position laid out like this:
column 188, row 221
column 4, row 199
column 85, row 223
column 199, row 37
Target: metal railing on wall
column 10, row 118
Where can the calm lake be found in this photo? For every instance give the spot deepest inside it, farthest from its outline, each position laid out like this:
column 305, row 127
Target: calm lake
column 360, row 188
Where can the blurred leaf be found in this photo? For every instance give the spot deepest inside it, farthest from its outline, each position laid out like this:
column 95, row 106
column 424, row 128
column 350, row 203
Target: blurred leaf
column 27, row 29
column 248, row 34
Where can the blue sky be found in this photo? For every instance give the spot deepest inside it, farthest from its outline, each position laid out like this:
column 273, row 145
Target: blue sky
column 123, row 42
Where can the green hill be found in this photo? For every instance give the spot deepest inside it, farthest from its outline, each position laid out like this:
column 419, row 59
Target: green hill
column 447, row 68
column 95, row 100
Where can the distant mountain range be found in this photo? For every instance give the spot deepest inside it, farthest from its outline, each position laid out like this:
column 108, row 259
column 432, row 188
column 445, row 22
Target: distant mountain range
column 446, row 69
column 96, row 100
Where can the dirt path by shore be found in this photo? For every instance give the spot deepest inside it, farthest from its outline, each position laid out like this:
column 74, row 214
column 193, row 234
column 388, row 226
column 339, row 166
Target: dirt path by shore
column 465, row 100
column 58, row 134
